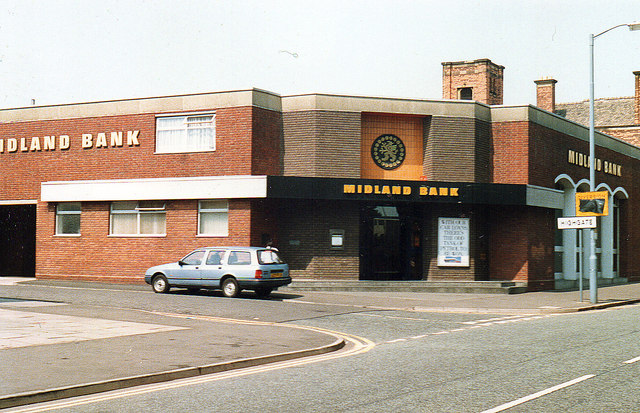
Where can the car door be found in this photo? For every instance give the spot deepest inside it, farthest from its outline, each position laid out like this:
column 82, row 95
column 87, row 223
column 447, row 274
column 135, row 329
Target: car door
column 212, row 270
column 187, row 272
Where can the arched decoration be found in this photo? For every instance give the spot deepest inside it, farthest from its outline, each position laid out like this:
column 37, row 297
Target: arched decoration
column 620, row 193
column 565, row 181
column 583, row 185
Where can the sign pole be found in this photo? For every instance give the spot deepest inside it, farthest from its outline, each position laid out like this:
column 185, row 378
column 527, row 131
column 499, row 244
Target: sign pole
column 581, row 274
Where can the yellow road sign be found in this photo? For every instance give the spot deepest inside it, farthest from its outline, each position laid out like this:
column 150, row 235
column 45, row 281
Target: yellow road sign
column 592, row 204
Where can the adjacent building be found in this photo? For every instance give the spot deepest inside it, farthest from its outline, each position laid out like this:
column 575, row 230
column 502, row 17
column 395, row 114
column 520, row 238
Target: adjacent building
column 347, row 187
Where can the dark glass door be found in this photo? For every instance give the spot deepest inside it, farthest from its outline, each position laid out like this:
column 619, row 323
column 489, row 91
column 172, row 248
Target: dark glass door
column 390, row 244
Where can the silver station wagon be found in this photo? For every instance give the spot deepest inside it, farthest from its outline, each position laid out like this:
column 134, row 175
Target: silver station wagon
column 231, row 269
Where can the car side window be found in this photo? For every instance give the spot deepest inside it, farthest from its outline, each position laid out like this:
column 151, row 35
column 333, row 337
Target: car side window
column 215, row 258
column 239, row 258
column 195, row 258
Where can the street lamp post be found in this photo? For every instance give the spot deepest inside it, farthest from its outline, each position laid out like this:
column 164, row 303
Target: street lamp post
column 593, row 282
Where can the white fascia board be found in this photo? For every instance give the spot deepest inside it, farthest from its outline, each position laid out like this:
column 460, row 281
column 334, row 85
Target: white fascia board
column 211, row 187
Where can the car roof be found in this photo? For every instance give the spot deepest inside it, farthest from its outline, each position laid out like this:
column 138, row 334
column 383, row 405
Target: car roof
column 235, row 248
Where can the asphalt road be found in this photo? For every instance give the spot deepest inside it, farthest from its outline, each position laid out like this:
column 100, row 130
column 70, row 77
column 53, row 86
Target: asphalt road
column 415, row 362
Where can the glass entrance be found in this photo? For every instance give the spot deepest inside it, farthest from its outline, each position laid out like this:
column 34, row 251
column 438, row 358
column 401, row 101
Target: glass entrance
column 390, row 243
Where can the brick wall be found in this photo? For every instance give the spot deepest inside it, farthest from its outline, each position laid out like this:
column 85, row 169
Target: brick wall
column 96, row 256
column 457, row 149
column 521, row 245
column 510, row 152
column 267, row 144
column 305, row 238
column 322, row 144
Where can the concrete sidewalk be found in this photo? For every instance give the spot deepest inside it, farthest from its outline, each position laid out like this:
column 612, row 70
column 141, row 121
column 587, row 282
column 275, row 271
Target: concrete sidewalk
column 544, row 302
column 95, row 349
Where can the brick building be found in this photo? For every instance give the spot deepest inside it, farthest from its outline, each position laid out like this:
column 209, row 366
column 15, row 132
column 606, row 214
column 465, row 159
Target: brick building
column 347, row 187
column 618, row 117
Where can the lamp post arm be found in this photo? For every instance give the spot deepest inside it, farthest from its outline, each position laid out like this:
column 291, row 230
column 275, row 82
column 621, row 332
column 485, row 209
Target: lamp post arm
column 609, row 29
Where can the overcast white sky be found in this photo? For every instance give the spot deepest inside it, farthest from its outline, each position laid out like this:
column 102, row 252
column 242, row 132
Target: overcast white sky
column 64, row 51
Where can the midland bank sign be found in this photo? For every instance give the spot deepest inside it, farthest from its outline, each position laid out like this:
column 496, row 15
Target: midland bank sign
column 65, row 142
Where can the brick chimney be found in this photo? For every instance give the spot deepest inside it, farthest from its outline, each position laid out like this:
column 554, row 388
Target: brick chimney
column 546, row 94
column 637, row 99
column 480, row 80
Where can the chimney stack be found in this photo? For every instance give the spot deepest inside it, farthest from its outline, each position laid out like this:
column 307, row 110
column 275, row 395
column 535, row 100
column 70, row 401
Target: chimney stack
column 480, row 80
column 546, row 94
column 637, row 97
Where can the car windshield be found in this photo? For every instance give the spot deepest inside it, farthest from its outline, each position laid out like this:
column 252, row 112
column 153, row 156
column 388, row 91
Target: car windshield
column 269, row 257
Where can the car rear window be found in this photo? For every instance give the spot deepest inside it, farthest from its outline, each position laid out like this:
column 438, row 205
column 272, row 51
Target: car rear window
column 239, row 258
column 269, row 257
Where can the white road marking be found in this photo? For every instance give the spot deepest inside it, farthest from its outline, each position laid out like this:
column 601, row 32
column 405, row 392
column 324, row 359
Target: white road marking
column 538, row 394
column 634, row 360
column 470, row 325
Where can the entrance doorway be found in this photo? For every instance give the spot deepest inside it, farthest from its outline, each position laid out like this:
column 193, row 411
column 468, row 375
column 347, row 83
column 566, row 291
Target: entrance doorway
column 18, row 240
column 390, row 243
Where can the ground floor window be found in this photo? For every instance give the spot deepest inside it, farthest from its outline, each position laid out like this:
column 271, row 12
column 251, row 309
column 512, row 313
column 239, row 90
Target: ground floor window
column 138, row 218
column 68, row 218
column 213, row 218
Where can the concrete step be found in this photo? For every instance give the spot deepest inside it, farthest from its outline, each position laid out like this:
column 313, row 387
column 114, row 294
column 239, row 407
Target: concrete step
column 470, row 287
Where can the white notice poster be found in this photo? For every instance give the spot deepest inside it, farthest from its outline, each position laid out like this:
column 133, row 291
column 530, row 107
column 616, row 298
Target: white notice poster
column 453, row 242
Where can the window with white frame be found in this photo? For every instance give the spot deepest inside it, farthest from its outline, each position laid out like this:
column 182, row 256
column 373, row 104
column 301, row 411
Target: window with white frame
column 213, row 218
column 194, row 133
column 138, row 218
column 68, row 218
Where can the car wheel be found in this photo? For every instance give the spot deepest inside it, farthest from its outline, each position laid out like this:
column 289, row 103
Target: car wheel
column 230, row 287
column 263, row 292
column 160, row 284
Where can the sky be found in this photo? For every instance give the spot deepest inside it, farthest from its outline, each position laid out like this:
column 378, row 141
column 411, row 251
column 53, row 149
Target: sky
column 66, row 51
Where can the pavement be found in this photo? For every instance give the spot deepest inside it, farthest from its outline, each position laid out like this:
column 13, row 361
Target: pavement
column 55, row 350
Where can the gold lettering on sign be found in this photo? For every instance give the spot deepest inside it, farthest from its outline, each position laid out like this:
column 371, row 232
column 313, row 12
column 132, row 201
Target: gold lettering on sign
column 580, row 159
column 423, row 191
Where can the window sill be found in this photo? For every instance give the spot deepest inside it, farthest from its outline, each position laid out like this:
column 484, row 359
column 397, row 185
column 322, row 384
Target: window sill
column 68, row 235
column 212, row 235
column 178, row 152
column 137, row 235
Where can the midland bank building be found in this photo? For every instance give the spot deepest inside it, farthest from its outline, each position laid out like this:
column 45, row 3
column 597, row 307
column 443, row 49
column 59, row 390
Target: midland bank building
column 347, row 187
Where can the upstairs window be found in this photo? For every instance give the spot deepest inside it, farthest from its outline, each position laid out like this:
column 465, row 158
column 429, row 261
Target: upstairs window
column 195, row 133
column 68, row 218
